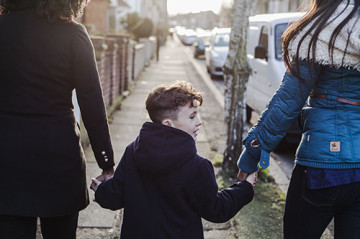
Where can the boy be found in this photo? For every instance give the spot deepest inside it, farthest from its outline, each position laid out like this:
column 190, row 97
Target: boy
column 164, row 187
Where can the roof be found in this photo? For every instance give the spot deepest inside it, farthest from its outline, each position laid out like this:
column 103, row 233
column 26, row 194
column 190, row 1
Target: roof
column 276, row 16
column 221, row 30
column 121, row 3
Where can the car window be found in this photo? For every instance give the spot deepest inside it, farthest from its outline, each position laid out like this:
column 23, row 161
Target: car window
column 279, row 30
column 221, row 39
column 264, row 37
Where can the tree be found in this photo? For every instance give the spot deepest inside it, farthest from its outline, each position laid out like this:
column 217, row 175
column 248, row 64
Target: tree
column 236, row 74
column 225, row 14
column 131, row 20
column 143, row 28
column 137, row 26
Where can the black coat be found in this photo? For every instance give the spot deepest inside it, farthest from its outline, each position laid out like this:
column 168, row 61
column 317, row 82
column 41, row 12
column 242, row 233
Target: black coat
column 42, row 163
column 165, row 188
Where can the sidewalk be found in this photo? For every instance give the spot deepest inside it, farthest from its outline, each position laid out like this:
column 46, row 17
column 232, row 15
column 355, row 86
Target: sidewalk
column 95, row 222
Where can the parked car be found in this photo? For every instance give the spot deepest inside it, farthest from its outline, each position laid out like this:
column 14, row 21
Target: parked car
column 216, row 53
column 264, row 54
column 189, row 37
column 201, row 43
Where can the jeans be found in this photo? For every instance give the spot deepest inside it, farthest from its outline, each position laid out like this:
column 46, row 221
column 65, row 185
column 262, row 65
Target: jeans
column 18, row 227
column 308, row 212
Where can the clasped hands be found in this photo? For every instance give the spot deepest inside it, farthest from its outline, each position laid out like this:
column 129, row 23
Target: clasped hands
column 249, row 177
column 105, row 175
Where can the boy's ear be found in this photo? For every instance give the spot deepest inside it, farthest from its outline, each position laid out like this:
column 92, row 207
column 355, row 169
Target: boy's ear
column 167, row 122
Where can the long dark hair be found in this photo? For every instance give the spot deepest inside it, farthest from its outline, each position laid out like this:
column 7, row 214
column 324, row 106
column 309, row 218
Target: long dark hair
column 321, row 10
column 54, row 10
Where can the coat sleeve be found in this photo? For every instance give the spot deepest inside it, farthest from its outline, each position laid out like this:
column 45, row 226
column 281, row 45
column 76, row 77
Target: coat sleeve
column 110, row 194
column 284, row 108
column 205, row 198
column 90, row 98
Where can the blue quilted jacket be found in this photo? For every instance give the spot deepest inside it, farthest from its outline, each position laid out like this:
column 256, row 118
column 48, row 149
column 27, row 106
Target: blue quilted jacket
column 330, row 122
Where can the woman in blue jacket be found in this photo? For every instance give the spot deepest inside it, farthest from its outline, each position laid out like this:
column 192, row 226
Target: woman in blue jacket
column 322, row 55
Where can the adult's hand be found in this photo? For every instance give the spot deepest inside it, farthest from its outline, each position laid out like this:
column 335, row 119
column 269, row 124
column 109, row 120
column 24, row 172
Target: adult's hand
column 242, row 175
column 105, row 175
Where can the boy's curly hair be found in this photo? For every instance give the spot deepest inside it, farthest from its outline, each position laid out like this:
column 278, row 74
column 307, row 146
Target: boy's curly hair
column 164, row 101
column 54, row 10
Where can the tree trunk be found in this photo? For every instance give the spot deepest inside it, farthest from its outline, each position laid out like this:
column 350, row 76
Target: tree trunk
column 236, row 74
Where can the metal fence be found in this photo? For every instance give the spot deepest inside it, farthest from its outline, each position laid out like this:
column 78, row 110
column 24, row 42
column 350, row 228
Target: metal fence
column 120, row 62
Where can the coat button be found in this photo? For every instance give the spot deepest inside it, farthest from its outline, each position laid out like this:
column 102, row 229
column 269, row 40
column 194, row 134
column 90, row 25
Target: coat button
column 103, row 152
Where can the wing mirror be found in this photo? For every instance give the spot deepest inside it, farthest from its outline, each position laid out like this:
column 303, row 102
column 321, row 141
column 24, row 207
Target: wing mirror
column 260, row 52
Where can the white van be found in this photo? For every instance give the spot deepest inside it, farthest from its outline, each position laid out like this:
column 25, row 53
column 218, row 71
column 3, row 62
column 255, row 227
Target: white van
column 264, row 54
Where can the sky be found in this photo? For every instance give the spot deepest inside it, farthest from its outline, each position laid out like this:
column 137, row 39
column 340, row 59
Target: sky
column 187, row 6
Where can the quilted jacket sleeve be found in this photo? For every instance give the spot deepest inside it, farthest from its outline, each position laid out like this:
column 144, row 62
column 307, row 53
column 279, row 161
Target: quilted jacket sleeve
column 283, row 109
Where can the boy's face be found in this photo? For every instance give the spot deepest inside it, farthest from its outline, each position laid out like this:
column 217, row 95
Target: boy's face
column 188, row 120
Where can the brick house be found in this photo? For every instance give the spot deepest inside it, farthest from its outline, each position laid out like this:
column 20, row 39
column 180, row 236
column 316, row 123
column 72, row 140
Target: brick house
column 103, row 16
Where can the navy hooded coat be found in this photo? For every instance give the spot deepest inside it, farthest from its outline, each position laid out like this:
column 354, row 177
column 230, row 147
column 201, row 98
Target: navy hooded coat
column 165, row 188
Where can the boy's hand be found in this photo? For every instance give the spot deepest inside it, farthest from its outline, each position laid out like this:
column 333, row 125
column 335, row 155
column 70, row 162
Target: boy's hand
column 95, row 183
column 252, row 178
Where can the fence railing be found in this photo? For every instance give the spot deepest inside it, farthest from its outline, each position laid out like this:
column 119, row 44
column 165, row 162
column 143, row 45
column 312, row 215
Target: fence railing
column 120, row 62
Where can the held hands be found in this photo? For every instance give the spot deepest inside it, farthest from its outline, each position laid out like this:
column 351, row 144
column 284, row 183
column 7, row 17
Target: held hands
column 95, row 184
column 105, row 175
column 251, row 178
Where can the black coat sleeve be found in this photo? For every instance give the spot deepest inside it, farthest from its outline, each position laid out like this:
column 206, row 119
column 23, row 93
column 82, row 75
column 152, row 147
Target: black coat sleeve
column 110, row 194
column 205, row 198
column 90, row 97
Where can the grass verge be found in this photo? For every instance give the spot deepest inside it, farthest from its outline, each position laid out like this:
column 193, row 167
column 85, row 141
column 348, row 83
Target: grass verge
column 261, row 218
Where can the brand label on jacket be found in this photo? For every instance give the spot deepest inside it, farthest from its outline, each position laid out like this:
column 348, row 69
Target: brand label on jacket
column 334, row 146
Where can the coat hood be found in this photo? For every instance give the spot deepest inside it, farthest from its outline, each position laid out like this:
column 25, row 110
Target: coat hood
column 160, row 149
column 347, row 43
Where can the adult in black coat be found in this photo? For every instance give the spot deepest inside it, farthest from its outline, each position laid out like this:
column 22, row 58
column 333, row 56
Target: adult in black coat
column 44, row 56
